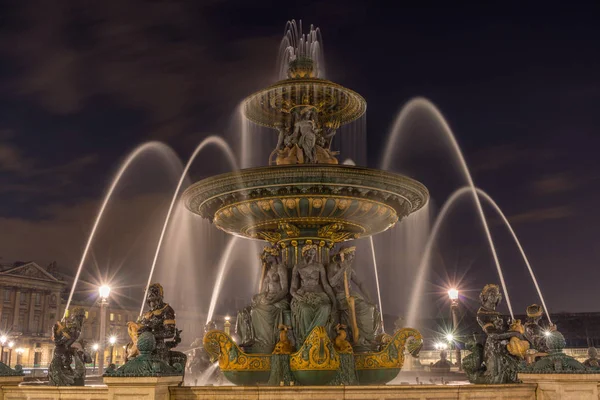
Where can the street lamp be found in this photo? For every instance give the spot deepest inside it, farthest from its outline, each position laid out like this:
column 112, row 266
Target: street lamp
column 10, row 347
column 95, row 347
column 453, row 294
column 20, row 352
column 104, row 292
column 227, row 325
column 112, row 340
column 3, row 340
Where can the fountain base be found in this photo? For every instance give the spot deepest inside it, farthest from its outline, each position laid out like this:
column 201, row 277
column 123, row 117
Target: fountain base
column 317, row 362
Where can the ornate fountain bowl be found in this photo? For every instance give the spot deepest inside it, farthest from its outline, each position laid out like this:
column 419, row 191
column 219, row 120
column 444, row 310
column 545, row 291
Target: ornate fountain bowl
column 321, row 203
column 272, row 106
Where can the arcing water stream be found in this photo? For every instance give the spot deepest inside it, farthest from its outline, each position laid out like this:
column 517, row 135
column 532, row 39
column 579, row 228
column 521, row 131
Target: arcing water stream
column 420, row 103
column 157, row 147
column 214, row 140
column 424, row 265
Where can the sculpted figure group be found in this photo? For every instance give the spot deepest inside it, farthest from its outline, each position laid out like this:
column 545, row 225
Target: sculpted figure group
column 320, row 296
column 508, row 344
column 65, row 335
column 303, row 140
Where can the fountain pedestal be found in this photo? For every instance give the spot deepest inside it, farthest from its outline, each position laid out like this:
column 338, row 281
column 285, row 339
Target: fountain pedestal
column 564, row 386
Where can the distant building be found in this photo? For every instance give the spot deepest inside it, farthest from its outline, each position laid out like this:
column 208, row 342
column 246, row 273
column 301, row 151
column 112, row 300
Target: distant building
column 30, row 303
column 33, row 298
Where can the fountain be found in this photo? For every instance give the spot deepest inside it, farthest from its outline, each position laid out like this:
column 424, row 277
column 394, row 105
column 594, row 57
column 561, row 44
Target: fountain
column 304, row 204
column 312, row 321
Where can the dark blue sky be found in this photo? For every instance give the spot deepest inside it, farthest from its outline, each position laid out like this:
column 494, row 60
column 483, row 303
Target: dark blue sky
column 82, row 83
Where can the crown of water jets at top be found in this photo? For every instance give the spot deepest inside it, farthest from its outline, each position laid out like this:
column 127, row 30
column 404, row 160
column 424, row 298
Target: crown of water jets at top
column 297, row 45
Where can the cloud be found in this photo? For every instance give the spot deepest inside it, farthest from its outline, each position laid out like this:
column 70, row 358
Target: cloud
column 158, row 57
column 499, row 157
column 11, row 159
column 557, row 183
column 545, row 214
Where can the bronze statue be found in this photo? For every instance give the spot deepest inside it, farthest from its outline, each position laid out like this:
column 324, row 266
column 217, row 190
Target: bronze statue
column 494, row 363
column 534, row 332
column 258, row 323
column 442, row 365
column 64, row 335
column 303, row 140
column 356, row 310
column 160, row 321
column 306, row 131
column 313, row 301
column 592, row 362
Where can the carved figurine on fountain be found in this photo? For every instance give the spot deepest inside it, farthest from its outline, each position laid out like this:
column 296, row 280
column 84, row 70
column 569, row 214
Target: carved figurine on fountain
column 65, row 335
column 258, row 324
column 158, row 328
column 313, row 301
column 355, row 310
column 303, row 139
column 201, row 369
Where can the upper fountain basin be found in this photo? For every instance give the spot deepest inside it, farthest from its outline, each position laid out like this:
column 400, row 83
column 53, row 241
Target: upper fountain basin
column 273, row 106
column 327, row 203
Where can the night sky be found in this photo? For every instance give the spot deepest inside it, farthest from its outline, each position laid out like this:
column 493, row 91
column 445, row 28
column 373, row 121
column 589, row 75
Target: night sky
column 83, row 82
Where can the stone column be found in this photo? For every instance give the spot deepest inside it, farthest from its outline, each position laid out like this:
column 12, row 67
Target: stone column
column 59, row 314
column 31, row 311
column 1, row 304
column 44, row 317
column 16, row 310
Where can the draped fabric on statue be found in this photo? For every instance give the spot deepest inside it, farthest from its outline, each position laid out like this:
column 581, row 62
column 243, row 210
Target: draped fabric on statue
column 313, row 310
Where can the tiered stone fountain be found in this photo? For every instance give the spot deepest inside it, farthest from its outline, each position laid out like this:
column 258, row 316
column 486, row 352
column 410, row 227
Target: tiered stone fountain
column 304, row 204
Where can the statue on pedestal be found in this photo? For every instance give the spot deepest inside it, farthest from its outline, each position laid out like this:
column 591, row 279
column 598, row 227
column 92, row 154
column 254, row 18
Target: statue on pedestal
column 355, row 310
column 64, row 335
column 592, row 362
column 258, row 324
column 442, row 365
column 159, row 320
column 494, row 363
column 313, row 301
column 534, row 332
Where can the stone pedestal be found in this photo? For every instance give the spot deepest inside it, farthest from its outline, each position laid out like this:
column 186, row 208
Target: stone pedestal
column 147, row 388
column 564, row 386
column 7, row 382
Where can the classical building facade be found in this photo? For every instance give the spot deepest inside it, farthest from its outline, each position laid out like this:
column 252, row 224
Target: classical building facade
column 30, row 302
column 33, row 298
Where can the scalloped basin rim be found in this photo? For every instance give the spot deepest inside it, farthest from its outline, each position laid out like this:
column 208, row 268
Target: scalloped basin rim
column 253, row 201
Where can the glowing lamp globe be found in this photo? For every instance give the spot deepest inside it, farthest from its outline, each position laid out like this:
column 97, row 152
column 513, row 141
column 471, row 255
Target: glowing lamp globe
column 453, row 294
column 104, row 292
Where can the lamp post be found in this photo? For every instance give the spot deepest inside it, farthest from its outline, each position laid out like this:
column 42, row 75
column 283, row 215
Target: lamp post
column 227, row 325
column 453, row 294
column 95, row 347
column 20, row 352
column 104, row 292
column 112, row 340
column 10, row 347
column 3, row 340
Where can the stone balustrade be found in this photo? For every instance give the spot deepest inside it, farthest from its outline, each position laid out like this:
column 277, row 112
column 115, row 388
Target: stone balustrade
column 534, row 387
